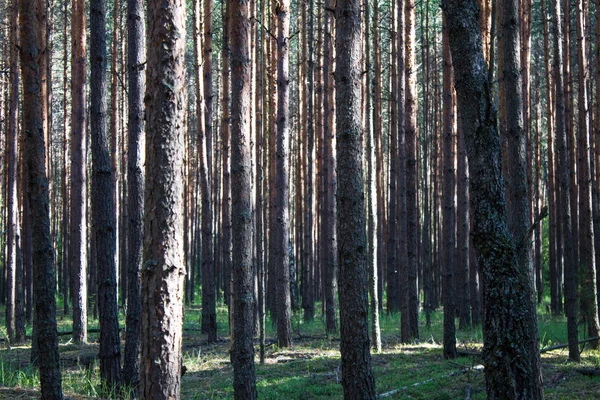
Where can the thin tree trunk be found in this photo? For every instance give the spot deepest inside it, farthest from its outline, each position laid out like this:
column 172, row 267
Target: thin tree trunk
column 563, row 179
column 449, row 206
column 136, row 56
column 78, row 226
column 412, row 206
column 587, row 267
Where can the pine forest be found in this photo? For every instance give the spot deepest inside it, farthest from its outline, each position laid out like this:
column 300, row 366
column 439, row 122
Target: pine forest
column 300, row 199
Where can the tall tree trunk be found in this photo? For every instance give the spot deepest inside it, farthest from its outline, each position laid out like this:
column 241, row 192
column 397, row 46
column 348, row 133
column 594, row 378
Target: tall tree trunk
column 163, row 258
column 357, row 376
column 136, row 56
column 518, row 205
column 32, row 28
column 587, row 262
column 103, row 202
column 12, row 203
column 449, row 206
column 507, row 287
column 371, row 195
column 204, row 143
column 553, row 242
column 412, row 206
column 563, row 183
column 242, row 353
column 78, row 226
column 329, row 222
column 65, row 226
column 280, row 238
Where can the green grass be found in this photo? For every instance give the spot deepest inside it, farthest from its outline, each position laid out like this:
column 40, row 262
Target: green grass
column 311, row 369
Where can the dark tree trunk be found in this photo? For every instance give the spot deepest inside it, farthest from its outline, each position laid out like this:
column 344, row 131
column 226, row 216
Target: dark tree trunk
column 587, row 267
column 78, row 227
column 32, row 24
column 449, row 206
column 563, row 183
column 462, row 234
column 280, row 238
column 163, row 267
column 103, row 202
column 242, row 352
column 507, row 354
column 357, row 376
column 329, row 222
column 136, row 56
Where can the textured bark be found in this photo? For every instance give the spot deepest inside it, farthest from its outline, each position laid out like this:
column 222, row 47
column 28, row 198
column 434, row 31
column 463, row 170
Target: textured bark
column 371, row 192
column 449, row 206
column 563, row 169
column 136, row 57
column 32, row 20
column 587, row 262
column 281, row 235
column 357, row 376
column 163, row 267
column 204, row 142
column 412, row 205
column 242, row 352
column 507, row 353
column 103, row 202
column 518, row 210
column 12, row 204
column 78, row 226
column 329, row 222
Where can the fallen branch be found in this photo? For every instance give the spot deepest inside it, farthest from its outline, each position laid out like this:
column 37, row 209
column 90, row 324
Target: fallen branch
column 563, row 346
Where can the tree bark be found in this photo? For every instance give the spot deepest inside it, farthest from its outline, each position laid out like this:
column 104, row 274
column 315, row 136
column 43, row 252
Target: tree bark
column 280, row 239
column 357, row 376
column 136, row 57
column 78, row 225
column 163, row 265
column 242, row 353
column 449, row 207
column 32, row 20
column 507, row 353
column 103, row 202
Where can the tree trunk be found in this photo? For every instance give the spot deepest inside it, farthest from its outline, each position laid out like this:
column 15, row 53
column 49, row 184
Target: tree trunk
column 329, row 222
column 103, row 202
column 12, row 203
column 32, row 26
column 242, row 353
column 280, row 238
column 163, row 259
column 357, row 376
column 563, row 182
column 136, row 56
column 507, row 353
column 587, row 267
column 412, row 206
column 449, row 206
column 78, row 231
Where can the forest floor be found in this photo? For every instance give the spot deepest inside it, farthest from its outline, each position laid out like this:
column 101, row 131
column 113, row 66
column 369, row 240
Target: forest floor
column 311, row 369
